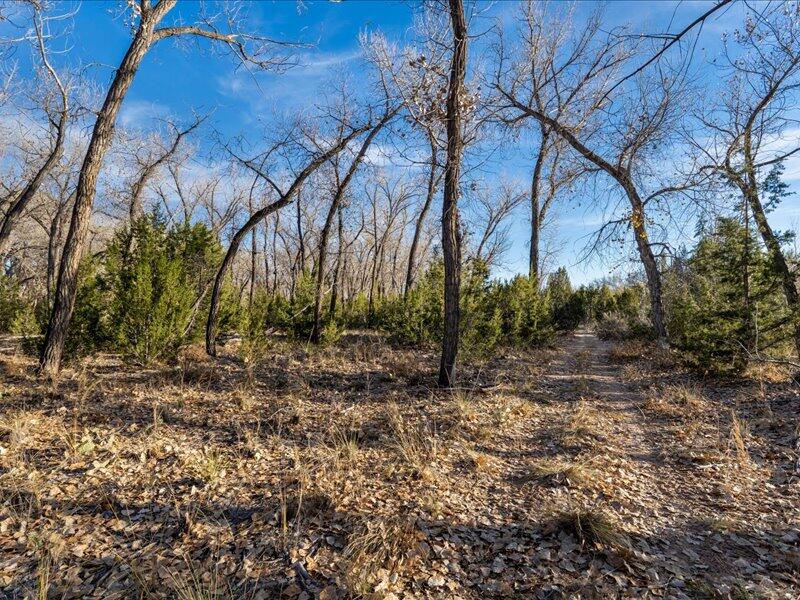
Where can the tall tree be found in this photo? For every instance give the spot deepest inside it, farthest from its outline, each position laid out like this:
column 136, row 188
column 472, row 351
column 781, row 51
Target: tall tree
column 756, row 108
column 149, row 17
column 622, row 135
column 451, row 228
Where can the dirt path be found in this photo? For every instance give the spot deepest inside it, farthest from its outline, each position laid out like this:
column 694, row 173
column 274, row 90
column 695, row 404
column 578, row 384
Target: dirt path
column 699, row 519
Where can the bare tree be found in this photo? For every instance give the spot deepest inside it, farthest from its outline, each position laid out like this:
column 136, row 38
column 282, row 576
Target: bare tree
column 621, row 134
column 388, row 198
column 490, row 213
column 745, row 133
column 420, row 80
column 148, row 166
column 58, row 114
column 317, row 159
column 451, row 231
column 341, row 187
column 148, row 31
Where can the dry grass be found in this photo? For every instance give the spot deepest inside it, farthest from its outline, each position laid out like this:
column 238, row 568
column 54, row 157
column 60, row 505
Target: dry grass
column 313, row 464
column 509, row 410
column 560, row 472
column 581, row 426
column 344, row 445
column 196, row 368
column 209, row 465
column 480, row 462
column 737, row 447
column 377, row 550
column 627, row 351
column 677, row 401
column 593, row 529
column 417, row 444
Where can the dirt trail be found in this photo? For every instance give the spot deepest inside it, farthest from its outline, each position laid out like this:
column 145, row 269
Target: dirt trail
column 693, row 522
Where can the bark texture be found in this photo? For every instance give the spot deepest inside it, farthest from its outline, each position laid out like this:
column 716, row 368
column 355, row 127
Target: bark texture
column 451, row 229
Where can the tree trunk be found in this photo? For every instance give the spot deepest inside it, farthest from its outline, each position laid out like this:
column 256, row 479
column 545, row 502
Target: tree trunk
column 18, row 206
column 337, row 269
column 431, row 192
column 779, row 262
column 451, row 230
column 102, row 135
column 253, row 255
column 536, row 209
column 236, row 240
column 648, row 260
column 52, row 249
column 637, row 219
column 301, row 251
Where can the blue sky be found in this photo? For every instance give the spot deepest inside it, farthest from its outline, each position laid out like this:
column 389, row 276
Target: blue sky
column 176, row 80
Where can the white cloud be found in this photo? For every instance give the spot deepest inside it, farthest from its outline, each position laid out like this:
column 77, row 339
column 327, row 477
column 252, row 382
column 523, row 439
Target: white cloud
column 138, row 114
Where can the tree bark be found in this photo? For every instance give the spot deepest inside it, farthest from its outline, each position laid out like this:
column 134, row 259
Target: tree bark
column 301, row 251
column 652, row 274
column 431, row 192
column 67, row 283
column 637, row 219
column 451, row 230
column 338, row 268
column 536, row 208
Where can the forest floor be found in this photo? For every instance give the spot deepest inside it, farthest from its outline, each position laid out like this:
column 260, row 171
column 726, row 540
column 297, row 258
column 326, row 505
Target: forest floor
column 587, row 470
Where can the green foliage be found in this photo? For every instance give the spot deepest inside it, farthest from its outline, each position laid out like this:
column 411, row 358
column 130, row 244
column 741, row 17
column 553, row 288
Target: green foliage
column 493, row 313
column 88, row 330
column 417, row 318
column 526, row 318
column 481, row 315
column 13, row 303
column 711, row 319
column 568, row 308
column 153, row 277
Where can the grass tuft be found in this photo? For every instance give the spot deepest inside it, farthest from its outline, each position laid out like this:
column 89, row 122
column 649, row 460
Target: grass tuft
column 593, row 529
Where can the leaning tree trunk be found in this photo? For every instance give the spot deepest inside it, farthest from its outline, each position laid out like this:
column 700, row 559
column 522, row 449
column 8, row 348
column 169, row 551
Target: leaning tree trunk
column 651, row 271
column 779, row 262
column 451, row 231
column 26, row 195
column 431, row 192
column 259, row 215
column 67, row 283
column 536, row 209
column 749, row 187
column 637, row 219
column 316, row 332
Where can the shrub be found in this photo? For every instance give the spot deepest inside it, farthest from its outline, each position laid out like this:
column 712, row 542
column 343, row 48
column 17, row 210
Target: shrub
column 526, row 315
column 12, row 302
column 417, row 318
column 153, row 276
column 710, row 319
